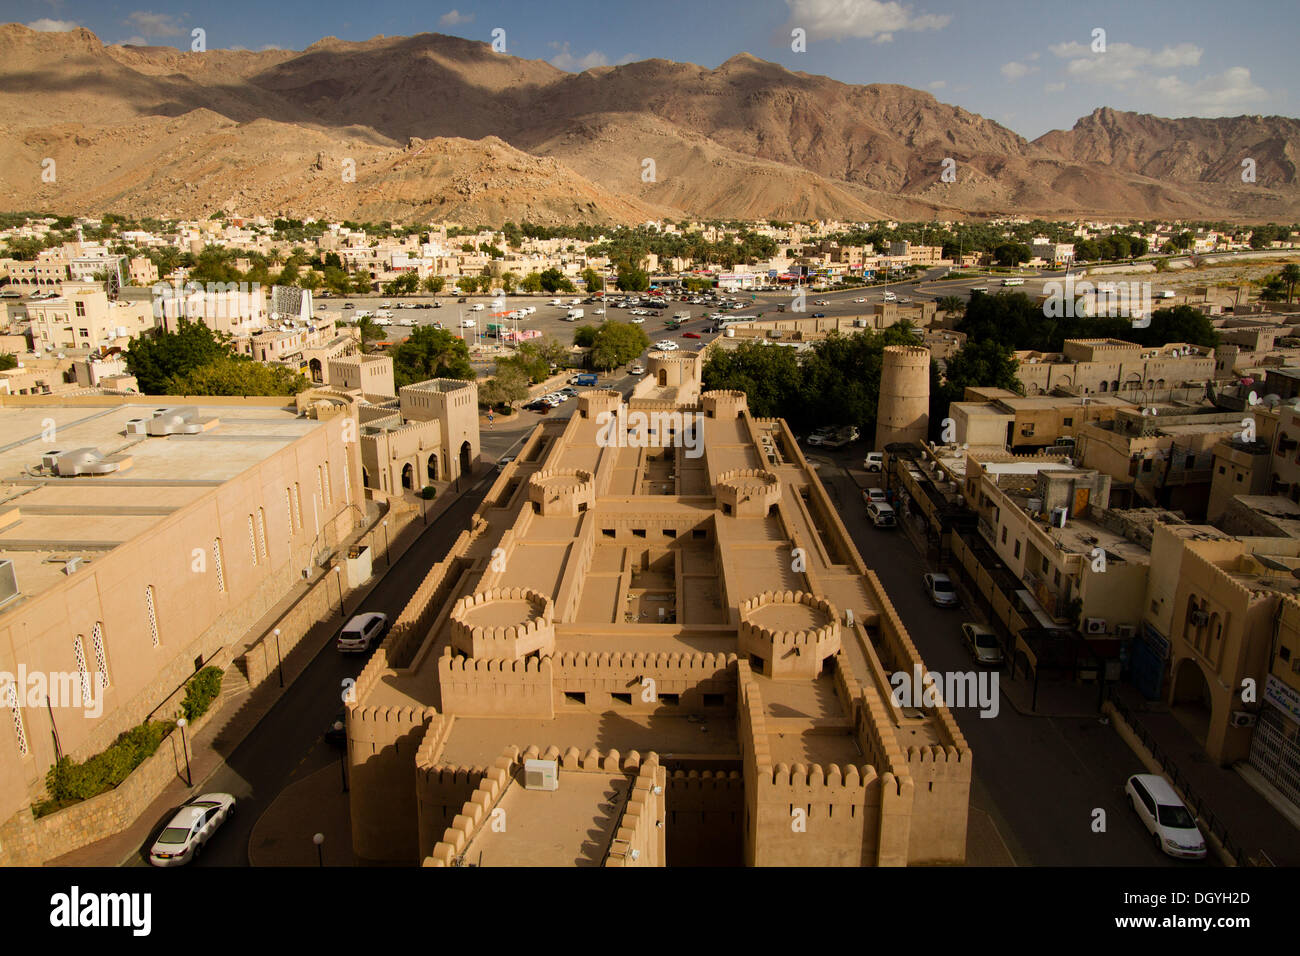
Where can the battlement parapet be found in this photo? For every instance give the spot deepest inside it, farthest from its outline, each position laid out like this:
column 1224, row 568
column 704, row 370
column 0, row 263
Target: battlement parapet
column 503, row 623
column 791, row 632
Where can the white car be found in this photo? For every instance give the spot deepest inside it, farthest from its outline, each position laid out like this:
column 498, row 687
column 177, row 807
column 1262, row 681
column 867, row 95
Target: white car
column 637, row 369
column 667, row 345
column 982, row 642
column 638, row 321
column 467, row 323
column 190, row 828
column 859, row 300
column 598, row 312
column 1165, row 816
column 477, row 307
column 938, row 588
column 874, row 495
column 874, row 461
column 362, row 632
column 881, row 514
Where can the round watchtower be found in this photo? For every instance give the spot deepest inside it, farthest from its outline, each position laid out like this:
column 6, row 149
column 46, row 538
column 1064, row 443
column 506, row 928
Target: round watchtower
column 903, row 411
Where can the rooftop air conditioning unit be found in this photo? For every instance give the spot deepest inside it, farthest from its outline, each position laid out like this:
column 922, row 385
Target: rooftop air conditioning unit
column 1094, row 625
column 1059, row 516
column 1243, row 718
column 541, row 775
column 137, row 426
column 50, row 459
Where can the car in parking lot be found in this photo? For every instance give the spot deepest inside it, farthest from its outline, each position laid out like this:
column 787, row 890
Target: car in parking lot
column 690, row 335
column 190, row 828
column 939, row 589
column 348, row 305
column 667, row 345
column 874, row 461
column 982, row 642
column 638, row 320
column 636, row 369
column 362, row 633
column 874, row 494
column 881, row 514
column 1165, row 816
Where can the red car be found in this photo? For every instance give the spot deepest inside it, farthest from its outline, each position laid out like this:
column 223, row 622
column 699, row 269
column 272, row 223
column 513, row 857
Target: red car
column 690, row 335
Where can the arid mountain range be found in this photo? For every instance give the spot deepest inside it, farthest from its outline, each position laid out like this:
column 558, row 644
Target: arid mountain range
column 441, row 128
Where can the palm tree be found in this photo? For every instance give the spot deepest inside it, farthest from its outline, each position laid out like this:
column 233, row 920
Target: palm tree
column 1290, row 275
column 950, row 304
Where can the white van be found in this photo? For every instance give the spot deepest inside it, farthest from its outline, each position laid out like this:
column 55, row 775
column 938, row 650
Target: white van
column 574, row 315
column 890, row 297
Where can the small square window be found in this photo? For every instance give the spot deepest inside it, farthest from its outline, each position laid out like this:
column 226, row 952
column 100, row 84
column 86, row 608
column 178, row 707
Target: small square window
column 638, row 532
column 670, row 532
column 607, row 532
column 574, row 697
column 625, row 699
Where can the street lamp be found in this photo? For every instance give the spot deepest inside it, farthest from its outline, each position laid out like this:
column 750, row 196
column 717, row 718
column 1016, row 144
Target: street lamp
column 343, row 757
column 189, row 781
column 388, row 560
column 338, row 577
column 318, row 839
column 279, row 658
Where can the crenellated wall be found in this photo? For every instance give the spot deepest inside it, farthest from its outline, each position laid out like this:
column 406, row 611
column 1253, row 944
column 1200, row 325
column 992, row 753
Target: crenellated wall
column 795, row 652
column 689, row 676
column 485, row 687
column 639, row 838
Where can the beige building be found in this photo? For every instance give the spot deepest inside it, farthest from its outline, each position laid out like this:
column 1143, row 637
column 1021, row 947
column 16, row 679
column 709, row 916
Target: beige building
column 139, row 543
column 620, row 654
column 995, row 419
column 429, row 435
column 1086, row 366
column 83, row 317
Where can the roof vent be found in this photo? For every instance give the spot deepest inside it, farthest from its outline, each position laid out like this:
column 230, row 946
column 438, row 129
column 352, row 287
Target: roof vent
column 180, row 420
column 87, row 461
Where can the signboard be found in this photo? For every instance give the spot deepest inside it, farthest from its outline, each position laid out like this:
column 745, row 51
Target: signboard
column 1284, row 698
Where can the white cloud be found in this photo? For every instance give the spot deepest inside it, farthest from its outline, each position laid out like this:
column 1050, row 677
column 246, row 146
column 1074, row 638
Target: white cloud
column 455, row 17
column 877, row 20
column 938, row 84
column 1054, row 87
column 156, row 24
column 565, row 60
column 46, row 25
column 1217, row 95
column 1126, row 67
column 1013, row 71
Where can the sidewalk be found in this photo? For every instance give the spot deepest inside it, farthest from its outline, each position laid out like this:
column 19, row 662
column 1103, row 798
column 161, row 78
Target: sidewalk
column 240, row 712
column 1251, row 821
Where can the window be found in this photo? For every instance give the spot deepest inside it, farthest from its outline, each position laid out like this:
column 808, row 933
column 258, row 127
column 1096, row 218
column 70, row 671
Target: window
column 297, row 505
column 1238, row 478
column 607, row 532
column 261, row 530
column 638, row 532
column 11, row 695
column 252, row 540
column 101, row 661
column 1004, row 535
column 672, row 700
column 1222, row 470
column 1017, row 549
column 85, row 333
column 329, row 496
column 216, row 560
column 574, row 697
column 153, row 615
column 1067, row 422
column 1146, row 464
column 698, row 533
column 80, row 651
column 625, row 699
column 288, row 508
column 347, row 483
column 670, row 532
column 1045, row 565
column 81, row 312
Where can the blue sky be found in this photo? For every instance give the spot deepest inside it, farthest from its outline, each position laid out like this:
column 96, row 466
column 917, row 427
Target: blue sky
column 1030, row 66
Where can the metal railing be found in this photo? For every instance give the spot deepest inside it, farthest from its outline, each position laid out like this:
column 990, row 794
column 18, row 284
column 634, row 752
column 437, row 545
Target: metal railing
column 1195, row 803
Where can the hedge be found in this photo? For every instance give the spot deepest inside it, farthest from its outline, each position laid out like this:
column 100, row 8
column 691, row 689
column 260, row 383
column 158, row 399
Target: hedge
column 70, row 781
column 200, row 692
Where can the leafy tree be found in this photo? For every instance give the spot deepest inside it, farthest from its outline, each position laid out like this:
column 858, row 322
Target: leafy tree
column 508, row 384
column 1012, row 254
column 8, row 361
column 156, row 359
column 591, row 279
column 434, row 284
column 231, row 375
column 616, row 343
column 532, row 282
column 951, row 304
column 467, row 284
column 584, row 336
column 980, row 364
column 553, row 280
column 509, row 282
column 431, row 353
column 310, row 280
column 1290, row 275
column 631, row 279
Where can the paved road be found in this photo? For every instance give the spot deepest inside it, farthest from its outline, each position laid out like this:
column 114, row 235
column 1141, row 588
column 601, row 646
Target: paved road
column 288, row 744
column 1038, row 778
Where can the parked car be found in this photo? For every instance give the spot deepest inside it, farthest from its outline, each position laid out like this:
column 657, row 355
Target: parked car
column 690, row 335
column 362, row 632
column 504, row 462
column 819, row 315
column 982, row 643
column 190, row 828
column 874, row 461
column 881, row 514
column 348, row 305
column 878, row 495
column 1165, row 816
column 636, row 369
column 939, row 589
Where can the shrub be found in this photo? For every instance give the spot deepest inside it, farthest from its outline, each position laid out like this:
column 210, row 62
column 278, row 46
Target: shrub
column 201, row 691
column 69, row 781
column 427, row 492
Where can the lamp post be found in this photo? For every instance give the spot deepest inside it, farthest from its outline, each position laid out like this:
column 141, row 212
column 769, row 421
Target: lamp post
column 338, row 577
column 189, row 781
column 279, row 658
column 343, row 757
column 318, row 839
column 388, row 560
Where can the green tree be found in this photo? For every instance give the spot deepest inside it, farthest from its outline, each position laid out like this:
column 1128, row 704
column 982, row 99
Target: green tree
column 509, row 282
column 616, row 343
column 430, row 353
column 980, row 364
column 951, row 304
column 591, row 279
column 1290, row 275
column 631, row 279
column 8, row 361
column 155, row 360
column 553, row 280
column 532, row 282
column 467, row 284
column 232, row 375
column 434, row 284
column 584, row 336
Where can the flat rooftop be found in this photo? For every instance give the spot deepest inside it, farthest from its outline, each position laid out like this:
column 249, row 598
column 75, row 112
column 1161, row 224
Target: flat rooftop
column 47, row 520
